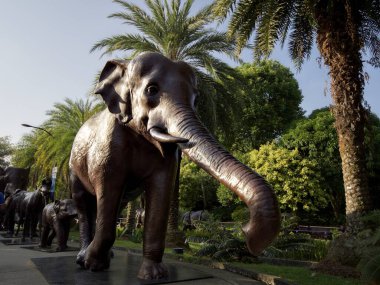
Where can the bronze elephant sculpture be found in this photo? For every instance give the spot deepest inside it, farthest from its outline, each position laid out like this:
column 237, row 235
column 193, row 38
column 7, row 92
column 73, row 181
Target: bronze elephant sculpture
column 189, row 218
column 30, row 209
column 13, row 178
column 11, row 212
column 134, row 145
column 56, row 219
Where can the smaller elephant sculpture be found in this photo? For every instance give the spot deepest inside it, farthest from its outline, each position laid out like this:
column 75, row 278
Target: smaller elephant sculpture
column 30, row 209
column 11, row 211
column 191, row 216
column 56, row 219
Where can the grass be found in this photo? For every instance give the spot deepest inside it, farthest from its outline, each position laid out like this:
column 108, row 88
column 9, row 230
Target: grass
column 296, row 275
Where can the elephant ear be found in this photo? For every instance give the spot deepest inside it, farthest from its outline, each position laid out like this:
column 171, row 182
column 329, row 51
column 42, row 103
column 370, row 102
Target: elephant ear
column 114, row 88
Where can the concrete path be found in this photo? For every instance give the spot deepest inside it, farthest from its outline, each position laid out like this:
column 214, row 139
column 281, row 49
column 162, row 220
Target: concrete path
column 16, row 267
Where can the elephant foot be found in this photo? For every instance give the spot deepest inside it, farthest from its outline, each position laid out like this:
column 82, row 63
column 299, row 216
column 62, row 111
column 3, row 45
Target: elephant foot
column 61, row 248
column 81, row 257
column 96, row 261
column 150, row 270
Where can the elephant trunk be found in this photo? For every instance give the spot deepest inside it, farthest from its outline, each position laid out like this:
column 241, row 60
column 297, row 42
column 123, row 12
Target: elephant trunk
column 250, row 187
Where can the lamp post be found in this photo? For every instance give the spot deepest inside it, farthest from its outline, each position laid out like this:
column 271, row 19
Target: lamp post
column 29, row 126
column 55, row 168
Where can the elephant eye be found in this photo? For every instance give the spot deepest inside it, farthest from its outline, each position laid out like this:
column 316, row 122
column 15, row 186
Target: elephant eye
column 152, row 90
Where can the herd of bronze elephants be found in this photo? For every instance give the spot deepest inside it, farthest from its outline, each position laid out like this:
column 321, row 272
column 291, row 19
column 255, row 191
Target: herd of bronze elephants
column 134, row 146
column 28, row 209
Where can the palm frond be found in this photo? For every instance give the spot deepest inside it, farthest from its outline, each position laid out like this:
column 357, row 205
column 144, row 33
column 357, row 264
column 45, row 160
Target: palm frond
column 302, row 35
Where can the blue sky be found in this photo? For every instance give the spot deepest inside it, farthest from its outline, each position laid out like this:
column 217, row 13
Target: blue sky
column 45, row 57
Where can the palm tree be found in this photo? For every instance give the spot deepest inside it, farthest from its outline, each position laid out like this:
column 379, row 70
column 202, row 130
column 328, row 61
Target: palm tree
column 170, row 29
column 344, row 30
column 44, row 151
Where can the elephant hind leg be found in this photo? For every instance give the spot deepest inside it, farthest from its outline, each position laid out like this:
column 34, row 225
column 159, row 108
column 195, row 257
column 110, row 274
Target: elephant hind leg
column 51, row 237
column 86, row 208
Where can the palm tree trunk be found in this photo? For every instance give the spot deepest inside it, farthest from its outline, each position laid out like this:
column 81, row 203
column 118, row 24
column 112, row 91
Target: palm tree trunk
column 131, row 216
column 339, row 44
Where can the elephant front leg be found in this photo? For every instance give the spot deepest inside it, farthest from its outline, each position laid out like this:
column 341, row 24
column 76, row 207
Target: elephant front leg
column 98, row 253
column 60, row 232
column 86, row 208
column 155, row 224
column 45, row 236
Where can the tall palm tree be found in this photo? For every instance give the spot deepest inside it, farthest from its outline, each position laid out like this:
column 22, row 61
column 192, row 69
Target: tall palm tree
column 344, row 30
column 44, row 151
column 171, row 29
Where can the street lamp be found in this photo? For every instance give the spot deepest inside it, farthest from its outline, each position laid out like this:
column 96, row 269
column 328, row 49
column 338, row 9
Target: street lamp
column 29, row 126
column 55, row 168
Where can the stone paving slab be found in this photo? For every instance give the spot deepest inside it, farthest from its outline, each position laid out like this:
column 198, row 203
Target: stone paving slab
column 17, row 266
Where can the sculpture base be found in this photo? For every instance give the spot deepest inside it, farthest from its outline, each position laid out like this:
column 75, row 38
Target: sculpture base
column 18, row 241
column 123, row 270
column 49, row 249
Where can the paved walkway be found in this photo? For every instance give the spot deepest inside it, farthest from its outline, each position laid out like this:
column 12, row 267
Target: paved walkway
column 17, row 267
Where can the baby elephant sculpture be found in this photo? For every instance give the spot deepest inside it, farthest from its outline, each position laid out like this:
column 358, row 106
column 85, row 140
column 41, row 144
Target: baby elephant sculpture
column 134, row 145
column 56, row 219
column 189, row 218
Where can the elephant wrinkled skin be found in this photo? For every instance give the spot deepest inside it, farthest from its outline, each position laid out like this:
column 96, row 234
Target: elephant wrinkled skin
column 134, row 145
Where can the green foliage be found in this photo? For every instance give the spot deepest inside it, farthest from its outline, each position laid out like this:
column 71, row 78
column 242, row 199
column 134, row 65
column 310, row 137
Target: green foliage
column 295, row 180
column 298, row 275
column 218, row 241
column 272, row 22
column 226, row 250
column 6, row 149
column 136, row 236
column 241, row 215
column 270, row 101
column 226, row 196
column 369, row 248
column 315, row 139
column 197, row 189
column 42, row 151
column 296, row 246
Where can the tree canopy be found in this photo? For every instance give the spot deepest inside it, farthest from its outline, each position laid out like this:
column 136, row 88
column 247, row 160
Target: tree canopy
column 270, row 101
column 43, row 151
column 6, row 150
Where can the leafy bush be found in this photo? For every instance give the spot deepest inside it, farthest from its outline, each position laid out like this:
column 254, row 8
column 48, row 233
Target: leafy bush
column 298, row 246
column 137, row 235
column 227, row 250
column 369, row 246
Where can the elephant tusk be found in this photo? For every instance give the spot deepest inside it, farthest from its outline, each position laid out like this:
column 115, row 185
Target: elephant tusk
column 159, row 135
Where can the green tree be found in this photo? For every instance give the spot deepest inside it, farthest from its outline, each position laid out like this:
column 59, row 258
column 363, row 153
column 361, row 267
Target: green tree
column 6, row 150
column 343, row 30
column 45, row 151
column 270, row 100
column 315, row 138
column 172, row 30
column 295, row 180
column 197, row 189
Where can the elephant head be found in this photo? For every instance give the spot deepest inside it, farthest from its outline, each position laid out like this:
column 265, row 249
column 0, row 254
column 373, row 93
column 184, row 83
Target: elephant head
column 155, row 97
column 64, row 208
column 15, row 178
